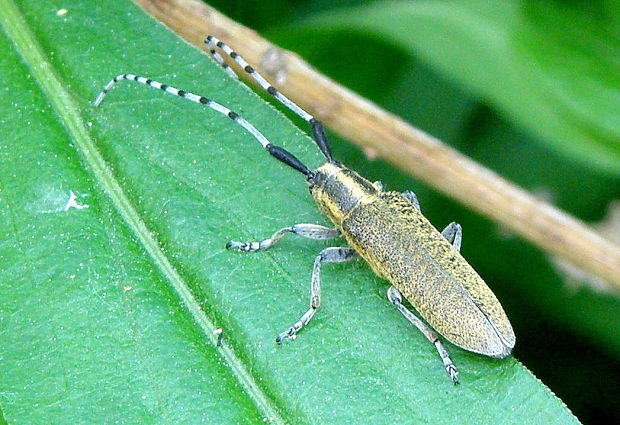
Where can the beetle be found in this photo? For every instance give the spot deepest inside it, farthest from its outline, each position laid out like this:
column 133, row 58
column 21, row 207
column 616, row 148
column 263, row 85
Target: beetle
column 387, row 229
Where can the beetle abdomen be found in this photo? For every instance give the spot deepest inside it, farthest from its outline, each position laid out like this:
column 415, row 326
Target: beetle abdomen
column 401, row 245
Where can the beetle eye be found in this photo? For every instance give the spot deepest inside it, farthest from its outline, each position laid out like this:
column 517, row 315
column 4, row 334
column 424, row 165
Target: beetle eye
column 316, row 179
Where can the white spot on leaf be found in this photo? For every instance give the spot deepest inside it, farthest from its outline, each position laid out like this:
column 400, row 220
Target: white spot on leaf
column 72, row 203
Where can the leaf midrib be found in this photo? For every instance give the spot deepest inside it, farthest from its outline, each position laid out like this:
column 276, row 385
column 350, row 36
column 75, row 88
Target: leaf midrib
column 28, row 47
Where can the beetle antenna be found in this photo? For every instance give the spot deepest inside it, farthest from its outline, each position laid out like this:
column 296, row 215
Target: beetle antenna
column 277, row 152
column 318, row 132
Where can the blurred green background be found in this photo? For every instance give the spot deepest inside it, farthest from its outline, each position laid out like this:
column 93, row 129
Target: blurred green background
column 531, row 90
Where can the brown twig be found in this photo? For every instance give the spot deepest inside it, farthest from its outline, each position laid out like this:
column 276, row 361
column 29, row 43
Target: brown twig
column 390, row 138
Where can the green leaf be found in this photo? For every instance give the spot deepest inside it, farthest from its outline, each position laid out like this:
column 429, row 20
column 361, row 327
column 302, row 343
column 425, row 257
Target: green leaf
column 107, row 312
column 550, row 68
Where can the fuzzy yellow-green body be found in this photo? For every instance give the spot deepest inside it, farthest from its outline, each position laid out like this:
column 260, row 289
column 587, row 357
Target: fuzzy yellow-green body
column 402, row 246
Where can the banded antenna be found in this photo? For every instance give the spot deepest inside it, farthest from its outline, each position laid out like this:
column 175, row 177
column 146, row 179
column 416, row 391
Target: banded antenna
column 277, row 152
column 317, row 128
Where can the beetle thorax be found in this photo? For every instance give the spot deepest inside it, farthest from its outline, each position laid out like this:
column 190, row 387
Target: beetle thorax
column 337, row 190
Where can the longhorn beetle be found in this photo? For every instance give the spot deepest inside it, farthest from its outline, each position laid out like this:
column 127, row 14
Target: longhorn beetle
column 387, row 229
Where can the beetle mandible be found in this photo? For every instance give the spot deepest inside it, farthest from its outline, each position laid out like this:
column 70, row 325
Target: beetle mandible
column 386, row 229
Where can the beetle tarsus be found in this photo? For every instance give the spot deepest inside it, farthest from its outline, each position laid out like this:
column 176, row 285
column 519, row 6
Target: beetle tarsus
column 305, row 230
column 244, row 246
column 290, row 333
column 454, row 374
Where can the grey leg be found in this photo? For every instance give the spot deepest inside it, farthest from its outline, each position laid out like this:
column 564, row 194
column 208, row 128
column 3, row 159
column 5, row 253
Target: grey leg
column 396, row 298
column 454, row 234
column 311, row 231
column 328, row 255
column 414, row 199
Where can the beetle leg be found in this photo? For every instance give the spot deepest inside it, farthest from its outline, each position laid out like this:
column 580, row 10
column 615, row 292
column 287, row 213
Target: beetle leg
column 454, row 234
column 310, row 231
column 396, row 298
column 414, row 199
column 328, row 255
